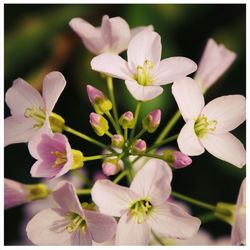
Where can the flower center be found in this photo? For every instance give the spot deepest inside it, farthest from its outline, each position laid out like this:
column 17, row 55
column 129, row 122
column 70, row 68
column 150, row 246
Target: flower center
column 140, row 210
column 143, row 76
column 202, row 126
column 76, row 222
column 61, row 158
column 36, row 114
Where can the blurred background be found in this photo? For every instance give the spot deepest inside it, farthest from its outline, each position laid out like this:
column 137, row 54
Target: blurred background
column 38, row 40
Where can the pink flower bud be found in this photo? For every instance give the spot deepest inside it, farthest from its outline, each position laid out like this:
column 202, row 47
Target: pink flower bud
column 181, row 160
column 117, row 141
column 94, row 93
column 139, row 147
column 152, row 121
column 98, row 123
column 127, row 120
column 109, row 168
column 99, row 176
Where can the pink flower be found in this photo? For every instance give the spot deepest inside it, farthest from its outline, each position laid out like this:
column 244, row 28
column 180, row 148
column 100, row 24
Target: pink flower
column 69, row 224
column 215, row 61
column 29, row 109
column 112, row 36
column 208, row 126
column 144, row 72
column 238, row 235
column 143, row 206
column 53, row 154
column 16, row 193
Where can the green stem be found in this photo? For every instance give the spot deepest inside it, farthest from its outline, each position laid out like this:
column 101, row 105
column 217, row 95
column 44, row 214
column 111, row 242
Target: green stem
column 87, row 138
column 193, row 201
column 169, row 139
column 207, row 217
column 125, row 134
column 138, row 136
column 113, row 122
column 169, row 126
column 120, row 176
column 97, row 157
column 129, row 168
column 137, row 111
column 109, row 134
column 83, row 191
column 112, row 97
column 149, row 155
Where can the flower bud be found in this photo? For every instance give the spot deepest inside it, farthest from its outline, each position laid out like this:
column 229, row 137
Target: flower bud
column 176, row 159
column 98, row 123
column 111, row 167
column 139, row 147
column 16, row 193
column 152, row 121
column 117, row 141
column 127, row 120
column 99, row 176
column 99, row 101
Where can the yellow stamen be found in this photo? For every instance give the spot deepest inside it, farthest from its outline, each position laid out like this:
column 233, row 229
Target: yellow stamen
column 61, row 158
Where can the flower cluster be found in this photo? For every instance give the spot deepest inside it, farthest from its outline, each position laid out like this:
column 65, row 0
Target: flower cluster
column 143, row 210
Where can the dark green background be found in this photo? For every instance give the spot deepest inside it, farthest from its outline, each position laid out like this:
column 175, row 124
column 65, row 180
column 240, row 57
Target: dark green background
column 39, row 40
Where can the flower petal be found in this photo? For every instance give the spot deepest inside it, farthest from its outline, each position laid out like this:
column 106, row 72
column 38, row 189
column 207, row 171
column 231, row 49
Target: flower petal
column 143, row 93
column 53, row 85
column 188, row 142
column 18, row 129
column 229, row 112
column 172, row 69
column 225, row 147
column 189, row 98
column 146, row 45
column 102, row 227
column 172, row 221
column 138, row 29
column 91, row 36
column 22, row 96
column 48, row 227
column 116, row 34
column 153, row 181
column 112, row 65
column 65, row 196
column 129, row 232
column 111, row 198
column 216, row 59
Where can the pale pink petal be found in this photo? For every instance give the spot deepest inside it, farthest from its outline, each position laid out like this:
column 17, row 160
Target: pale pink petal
column 143, row 93
column 91, row 36
column 116, row 34
column 53, row 85
column 172, row 221
column 111, row 198
column 129, row 232
column 146, row 45
column 21, row 96
column 215, row 60
column 153, row 181
column 112, row 65
column 238, row 234
column 188, row 141
column 18, row 129
column 102, row 227
column 48, row 227
column 137, row 30
column 172, row 69
column 225, row 147
column 66, row 197
column 14, row 193
column 82, row 237
column 43, row 169
column 188, row 97
column 229, row 112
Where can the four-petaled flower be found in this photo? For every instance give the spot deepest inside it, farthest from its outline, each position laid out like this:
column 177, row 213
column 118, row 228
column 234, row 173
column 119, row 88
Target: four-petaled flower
column 143, row 206
column 144, row 72
column 208, row 126
column 29, row 109
column 70, row 223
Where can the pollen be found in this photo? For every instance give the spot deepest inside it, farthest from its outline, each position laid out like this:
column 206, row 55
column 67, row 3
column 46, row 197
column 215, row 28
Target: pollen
column 143, row 73
column 203, row 126
column 60, row 158
column 76, row 222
